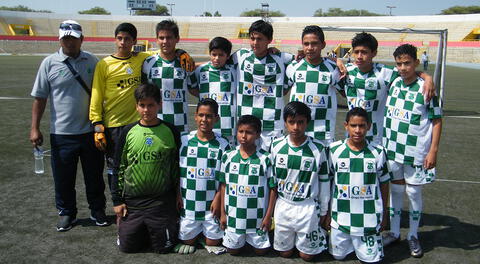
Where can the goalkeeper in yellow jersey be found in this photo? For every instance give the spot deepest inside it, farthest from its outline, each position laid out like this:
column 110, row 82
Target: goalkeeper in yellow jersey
column 112, row 105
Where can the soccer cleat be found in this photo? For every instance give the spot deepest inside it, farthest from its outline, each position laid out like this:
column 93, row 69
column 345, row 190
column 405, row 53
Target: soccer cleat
column 65, row 223
column 389, row 238
column 184, row 249
column 100, row 218
column 415, row 248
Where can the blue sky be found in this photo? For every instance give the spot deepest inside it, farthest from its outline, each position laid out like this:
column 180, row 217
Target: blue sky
column 234, row 8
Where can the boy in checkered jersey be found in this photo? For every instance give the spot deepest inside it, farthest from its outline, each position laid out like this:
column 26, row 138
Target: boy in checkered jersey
column 411, row 137
column 165, row 71
column 359, row 192
column 248, row 191
column 216, row 79
column 261, row 81
column 301, row 173
column 314, row 81
column 367, row 83
column 200, row 155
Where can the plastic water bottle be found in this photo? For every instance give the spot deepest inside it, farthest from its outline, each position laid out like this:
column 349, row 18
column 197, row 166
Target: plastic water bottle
column 39, row 166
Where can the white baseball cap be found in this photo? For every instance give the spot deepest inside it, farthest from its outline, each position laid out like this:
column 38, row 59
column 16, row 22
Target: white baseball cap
column 69, row 28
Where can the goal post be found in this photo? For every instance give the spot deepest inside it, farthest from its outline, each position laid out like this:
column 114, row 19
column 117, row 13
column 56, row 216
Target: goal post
column 439, row 74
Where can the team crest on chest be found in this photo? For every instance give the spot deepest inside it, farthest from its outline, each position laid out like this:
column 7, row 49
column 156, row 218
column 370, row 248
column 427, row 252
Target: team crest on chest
column 179, row 73
column 307, row 164
column 149, row 141
column 212, row 153
column 254, row 169
column 271, row 68
column 129, row 70
column 369, row 165
column 225, row 76
column 371, row 84
column 324, row 78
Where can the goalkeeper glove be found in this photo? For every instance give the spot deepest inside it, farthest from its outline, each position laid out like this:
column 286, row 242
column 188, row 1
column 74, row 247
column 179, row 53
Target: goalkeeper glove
column 99, row 137
column 187, row 62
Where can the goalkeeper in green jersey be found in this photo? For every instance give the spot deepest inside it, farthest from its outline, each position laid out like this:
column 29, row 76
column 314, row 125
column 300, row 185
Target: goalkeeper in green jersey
column 146, row 186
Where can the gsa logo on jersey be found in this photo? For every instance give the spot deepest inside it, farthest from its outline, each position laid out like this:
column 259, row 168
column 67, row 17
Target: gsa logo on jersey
column 149, row 141
column 201, row 173
column 358, row 102
column 174, row 95
column 399, row 114
column 242, row 190
column 320, row 101
column 220, row 98
column 296, row 189
column 362, row 192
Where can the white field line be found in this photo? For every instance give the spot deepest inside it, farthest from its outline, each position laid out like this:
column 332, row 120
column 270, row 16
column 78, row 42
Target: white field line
column 15, row 98
column 457, row 181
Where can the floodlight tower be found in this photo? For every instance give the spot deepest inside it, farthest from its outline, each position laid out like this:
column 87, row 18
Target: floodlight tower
column 171, row 8
column 391, row 7
column 265, row 12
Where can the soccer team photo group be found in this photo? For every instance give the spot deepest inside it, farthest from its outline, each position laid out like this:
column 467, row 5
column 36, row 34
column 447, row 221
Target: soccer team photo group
column 260, row 168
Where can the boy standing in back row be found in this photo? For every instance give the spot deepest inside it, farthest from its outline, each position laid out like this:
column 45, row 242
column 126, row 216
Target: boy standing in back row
column 411, row 136
column 314, row 81
column 165, row 71
column 261, row 81
column 216, row 79
column 367, row 83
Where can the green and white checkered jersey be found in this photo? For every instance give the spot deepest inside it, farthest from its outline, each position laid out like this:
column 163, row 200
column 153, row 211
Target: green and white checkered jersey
column 301, row 172
column 408, row 122
column 199, row 165
column 219, row 84
column 356, row 206
column 173, row 82
column 261, row 83
column 369, row 91
column 247, row 183
column 315, row 86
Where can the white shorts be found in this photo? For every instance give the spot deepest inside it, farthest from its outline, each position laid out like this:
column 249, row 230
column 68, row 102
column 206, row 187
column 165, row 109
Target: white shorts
column 298, row 224
column 257, row 240
column 367, row 248
column 189, row 229
column 266, row 138
column 414, row 175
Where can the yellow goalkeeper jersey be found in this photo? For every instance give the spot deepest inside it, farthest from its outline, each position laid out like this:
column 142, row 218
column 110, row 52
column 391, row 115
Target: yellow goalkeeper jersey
column 114, row 83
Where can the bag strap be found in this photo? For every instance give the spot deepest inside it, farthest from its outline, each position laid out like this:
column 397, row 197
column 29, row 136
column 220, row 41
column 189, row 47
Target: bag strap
column 78, row 77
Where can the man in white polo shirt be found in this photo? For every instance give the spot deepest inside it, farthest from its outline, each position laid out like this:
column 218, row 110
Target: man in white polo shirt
column 66, row 78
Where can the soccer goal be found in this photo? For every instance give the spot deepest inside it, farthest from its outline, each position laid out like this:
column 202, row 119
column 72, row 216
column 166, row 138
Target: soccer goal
column 439, row 74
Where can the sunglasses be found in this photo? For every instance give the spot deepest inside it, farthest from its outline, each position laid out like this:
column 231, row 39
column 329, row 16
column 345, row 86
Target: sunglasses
column 68, row 26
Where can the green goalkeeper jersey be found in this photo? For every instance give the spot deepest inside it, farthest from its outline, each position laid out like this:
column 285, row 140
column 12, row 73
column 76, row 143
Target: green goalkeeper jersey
column 146, row 165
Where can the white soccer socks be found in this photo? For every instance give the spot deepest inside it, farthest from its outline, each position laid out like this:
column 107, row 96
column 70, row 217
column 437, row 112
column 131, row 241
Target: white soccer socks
column 396, row 204
column 414, row 193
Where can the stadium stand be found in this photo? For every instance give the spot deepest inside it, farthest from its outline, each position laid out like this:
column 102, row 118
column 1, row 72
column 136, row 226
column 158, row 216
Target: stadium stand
column 463, row 31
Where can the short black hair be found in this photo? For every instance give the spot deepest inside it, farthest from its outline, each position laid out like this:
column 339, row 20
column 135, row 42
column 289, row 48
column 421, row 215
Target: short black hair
column 316, row 30
column 357, row 111
column 208, row 102
column 220, row 43
column 127, row 27
column 147, row 90
column 262, row 27
column 406, row 49
column 365, row 39
column 167, row 25
column 251, row 121
column 295, row 108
